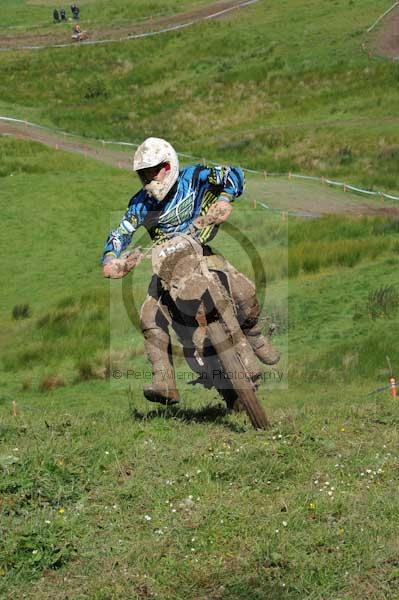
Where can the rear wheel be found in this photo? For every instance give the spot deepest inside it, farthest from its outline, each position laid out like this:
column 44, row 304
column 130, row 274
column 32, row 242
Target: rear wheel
column 243, row 387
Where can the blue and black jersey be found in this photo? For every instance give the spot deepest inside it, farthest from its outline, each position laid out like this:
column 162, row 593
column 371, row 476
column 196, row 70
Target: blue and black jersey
column 194, row 192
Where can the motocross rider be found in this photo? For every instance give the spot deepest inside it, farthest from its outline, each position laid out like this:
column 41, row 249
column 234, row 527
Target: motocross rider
column 172, row 202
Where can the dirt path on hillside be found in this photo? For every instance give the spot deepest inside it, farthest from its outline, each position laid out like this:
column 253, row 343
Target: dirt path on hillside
column 214, row 10
column 305, row 200
column 385, row 40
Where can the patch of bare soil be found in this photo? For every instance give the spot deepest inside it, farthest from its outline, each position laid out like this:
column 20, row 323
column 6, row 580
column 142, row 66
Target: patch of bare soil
column 116, row 33
column 385, row 41
column 306, row 205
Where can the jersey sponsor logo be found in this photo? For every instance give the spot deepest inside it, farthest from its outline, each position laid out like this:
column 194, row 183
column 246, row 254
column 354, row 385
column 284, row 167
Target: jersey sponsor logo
column 172, row 249
column 117, row 245
column 179, row 213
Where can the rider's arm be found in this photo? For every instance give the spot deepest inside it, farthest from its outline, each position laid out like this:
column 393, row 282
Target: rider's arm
column 229, row 183
column 116, row 266
column 217, row 214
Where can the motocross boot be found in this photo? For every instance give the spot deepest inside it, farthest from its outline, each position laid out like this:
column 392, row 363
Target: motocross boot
column 163, row 387
column 261, row 345
column 248, row 309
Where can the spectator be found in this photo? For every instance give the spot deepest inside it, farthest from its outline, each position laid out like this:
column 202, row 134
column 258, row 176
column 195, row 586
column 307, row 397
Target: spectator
column 63, row 14
column 75, row 11
column 56, row 16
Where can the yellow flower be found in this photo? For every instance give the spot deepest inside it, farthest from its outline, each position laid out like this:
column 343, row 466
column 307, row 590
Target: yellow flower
column 342, row 429
column 312, row 506
column 61, row 511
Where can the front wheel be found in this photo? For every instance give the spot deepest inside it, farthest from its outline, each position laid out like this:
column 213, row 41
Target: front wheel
column 231, row 363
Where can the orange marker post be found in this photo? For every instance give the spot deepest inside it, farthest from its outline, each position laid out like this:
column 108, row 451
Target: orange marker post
column 392, row 384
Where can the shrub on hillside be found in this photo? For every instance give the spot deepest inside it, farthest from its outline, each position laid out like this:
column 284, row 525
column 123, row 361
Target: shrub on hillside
column 51, row 382
column 313, row 256
column 383, row 302
column 21, row 311
column 86, row 371
column 95, row 89
column 345, row 155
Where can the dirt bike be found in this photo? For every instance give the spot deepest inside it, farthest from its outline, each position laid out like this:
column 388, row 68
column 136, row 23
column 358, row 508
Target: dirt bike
column 204, row 319
column 80, row 36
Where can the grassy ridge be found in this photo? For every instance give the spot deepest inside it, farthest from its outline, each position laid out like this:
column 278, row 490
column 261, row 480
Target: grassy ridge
column 101, row 495
column 71, row 203
column 297, row 513
column 30, row 14
column 295, row 93
column 104, row 497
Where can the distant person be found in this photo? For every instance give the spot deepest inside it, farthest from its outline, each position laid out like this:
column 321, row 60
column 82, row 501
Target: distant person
column 63, row 14
column 75, row 11
column 56, row 16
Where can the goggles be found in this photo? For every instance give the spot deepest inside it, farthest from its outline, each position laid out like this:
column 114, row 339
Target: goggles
column 147, row 175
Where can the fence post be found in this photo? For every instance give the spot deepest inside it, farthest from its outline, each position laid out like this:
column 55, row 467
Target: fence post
column 392, row 383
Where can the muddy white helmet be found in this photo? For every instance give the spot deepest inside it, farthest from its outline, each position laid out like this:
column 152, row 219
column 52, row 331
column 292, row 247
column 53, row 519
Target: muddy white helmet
column 150, row 157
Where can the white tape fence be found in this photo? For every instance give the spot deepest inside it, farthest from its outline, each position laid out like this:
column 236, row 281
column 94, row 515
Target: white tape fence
column 382, row 16
column 323, row 180
column 136, row 36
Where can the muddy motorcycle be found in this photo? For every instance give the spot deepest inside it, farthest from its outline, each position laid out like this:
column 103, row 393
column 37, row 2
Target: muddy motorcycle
column 204, row 319
column 80, row 36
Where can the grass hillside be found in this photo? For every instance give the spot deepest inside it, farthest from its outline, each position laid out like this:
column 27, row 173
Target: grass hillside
column 278, row 85
column 105, row 496
column 21, row 15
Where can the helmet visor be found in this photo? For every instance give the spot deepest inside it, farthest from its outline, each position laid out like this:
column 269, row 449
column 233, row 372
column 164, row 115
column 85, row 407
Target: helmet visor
column 147, row 175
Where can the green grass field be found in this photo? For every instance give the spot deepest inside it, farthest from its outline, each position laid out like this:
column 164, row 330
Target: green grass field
column 277, row 86
column 24, row 15
column 105, row 496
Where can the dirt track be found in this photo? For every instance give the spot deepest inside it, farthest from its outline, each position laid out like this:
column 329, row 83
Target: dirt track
column 385, row 41
column 300, row 198
column 150, row 26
